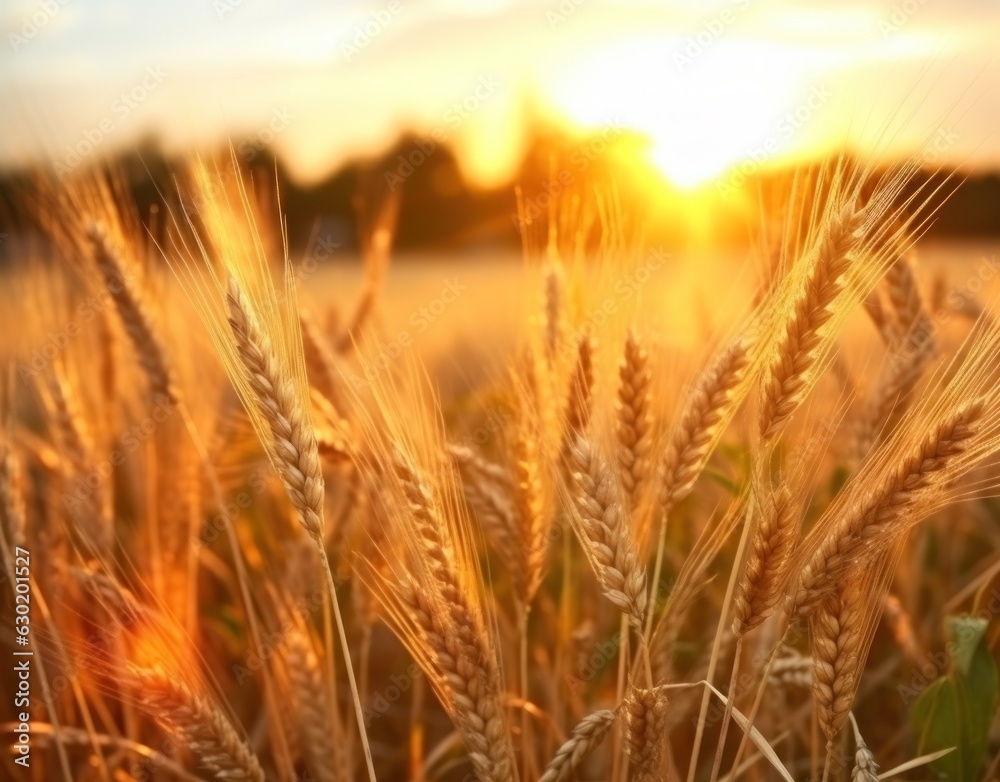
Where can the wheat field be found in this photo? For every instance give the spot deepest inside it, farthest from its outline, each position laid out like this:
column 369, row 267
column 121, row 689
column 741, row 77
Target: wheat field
column 594, row 514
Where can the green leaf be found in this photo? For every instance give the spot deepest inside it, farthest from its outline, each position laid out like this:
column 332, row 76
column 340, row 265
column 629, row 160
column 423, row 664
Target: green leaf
column 957, row 709
column 965, row 633
column 936, row 721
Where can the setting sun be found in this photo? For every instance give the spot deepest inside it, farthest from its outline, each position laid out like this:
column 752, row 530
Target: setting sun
column 701, row 115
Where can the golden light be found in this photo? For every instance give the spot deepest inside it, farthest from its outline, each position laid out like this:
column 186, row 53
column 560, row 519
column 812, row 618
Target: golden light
column 704, row 108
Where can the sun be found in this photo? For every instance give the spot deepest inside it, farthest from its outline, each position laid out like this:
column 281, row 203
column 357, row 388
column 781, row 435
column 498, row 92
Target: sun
column 702, row 115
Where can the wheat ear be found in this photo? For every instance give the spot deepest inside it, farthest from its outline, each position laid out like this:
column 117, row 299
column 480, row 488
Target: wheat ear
column 587, row 736
column 554, row 294
column 454, row 630
column 601, row 523
column 316, row 723
column 294, row 448
column 705, row 410
column 532, row 507
column 789, row 374
column 767, row 562
column 904, row 294
column 889, row 508
column 294, row 453
column 837, row 629
column 634, row 422
column 202, row 727
column 646, row 732
column 135, row 317
column 865, row 768
column 12, row 505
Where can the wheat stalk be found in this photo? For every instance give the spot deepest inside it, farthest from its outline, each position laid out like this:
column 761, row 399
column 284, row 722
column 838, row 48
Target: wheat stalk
column 293, row 450
column 292, row 441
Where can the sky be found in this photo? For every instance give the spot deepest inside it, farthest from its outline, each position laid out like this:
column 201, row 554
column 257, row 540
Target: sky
column 713, row 86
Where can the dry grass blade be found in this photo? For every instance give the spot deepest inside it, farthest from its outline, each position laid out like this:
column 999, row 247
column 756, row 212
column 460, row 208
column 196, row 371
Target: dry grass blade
column 601, row 523
column 197, row 722
column 587, row 736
